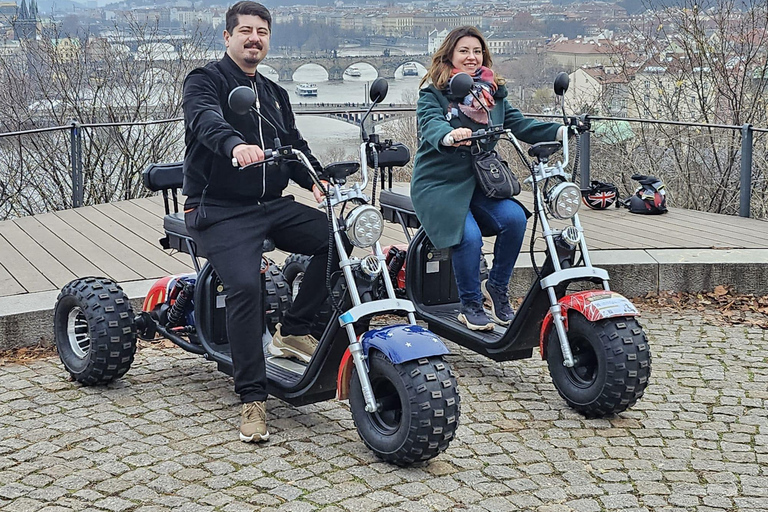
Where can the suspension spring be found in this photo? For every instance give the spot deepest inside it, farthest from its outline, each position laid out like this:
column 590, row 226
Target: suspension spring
column 176, row 311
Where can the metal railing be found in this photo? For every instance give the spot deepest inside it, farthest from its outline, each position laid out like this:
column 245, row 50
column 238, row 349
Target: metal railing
column 745, row 177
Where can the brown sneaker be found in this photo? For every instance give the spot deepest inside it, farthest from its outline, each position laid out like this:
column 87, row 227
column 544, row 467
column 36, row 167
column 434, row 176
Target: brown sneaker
column 298, row 347
column 253, row 422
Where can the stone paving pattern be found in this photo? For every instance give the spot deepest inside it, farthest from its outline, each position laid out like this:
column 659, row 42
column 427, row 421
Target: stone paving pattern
column 164, row 437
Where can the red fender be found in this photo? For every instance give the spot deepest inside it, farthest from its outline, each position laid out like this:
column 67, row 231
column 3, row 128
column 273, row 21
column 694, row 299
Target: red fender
column 159, row 291
column 593, row 304
column 345, row 376
column 400, row 282
column 156, row 294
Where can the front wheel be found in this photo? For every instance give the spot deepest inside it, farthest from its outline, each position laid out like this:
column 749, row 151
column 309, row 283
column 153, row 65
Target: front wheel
column 418, row 408
column 94, row 330
column 612, row 364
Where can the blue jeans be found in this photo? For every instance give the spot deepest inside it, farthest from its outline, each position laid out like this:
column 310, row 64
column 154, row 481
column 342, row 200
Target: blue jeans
column 506, row 219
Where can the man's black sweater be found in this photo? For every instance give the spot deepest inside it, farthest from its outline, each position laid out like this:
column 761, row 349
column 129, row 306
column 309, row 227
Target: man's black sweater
column 212, row 131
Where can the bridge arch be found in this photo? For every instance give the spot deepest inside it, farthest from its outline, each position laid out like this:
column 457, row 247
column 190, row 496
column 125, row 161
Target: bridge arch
column 335, row 66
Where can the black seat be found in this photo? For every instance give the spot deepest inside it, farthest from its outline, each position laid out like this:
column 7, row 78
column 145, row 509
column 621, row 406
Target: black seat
column 158, row 177
column 543, row 150
column 396, row 206
column 338, row 171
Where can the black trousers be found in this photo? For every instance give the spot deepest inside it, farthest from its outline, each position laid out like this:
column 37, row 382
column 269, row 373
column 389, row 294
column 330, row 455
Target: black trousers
column 231, row 237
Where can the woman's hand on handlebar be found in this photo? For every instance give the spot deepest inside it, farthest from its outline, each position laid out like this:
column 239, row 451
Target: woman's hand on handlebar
column 247, row 154
column 458, row 137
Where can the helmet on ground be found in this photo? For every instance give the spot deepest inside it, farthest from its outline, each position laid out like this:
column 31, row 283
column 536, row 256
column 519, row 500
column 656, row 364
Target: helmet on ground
column 599, row 195
column 650, row 198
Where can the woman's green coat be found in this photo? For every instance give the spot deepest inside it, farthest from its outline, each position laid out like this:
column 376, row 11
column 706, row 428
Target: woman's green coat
column 443, row 179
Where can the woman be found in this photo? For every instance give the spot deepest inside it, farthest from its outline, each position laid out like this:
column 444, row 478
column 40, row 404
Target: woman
column 443, row 175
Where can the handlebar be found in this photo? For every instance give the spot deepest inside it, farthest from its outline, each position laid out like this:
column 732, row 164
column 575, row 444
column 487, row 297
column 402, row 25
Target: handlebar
column 271, row 156
column 483, row 135
column 492, row 133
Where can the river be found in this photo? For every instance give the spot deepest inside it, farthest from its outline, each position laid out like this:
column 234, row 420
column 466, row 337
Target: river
column 324, row 134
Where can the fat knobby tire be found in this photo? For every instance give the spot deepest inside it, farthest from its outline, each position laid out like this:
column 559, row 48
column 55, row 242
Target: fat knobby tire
column 278, row 298
column 624, row 360
column 294, row 265
column 430, row 409
column 110, row 326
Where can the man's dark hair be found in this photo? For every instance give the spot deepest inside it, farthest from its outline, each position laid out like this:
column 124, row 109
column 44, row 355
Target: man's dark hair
column 249, row 8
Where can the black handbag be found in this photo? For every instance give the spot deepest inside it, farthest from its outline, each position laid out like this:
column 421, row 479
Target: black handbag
column 494, row 176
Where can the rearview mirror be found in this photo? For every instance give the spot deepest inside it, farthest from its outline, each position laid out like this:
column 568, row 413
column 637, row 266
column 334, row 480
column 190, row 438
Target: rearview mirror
column 378, row 90
column 460, row 85
column 241, row 99
column 561, row 83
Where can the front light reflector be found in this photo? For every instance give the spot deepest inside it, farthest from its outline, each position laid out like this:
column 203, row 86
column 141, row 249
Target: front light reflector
column 564, row 200
column 364, row 226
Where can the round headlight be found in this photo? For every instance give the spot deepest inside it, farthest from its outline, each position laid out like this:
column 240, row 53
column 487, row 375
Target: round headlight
column 564, row 200
column 364, row 226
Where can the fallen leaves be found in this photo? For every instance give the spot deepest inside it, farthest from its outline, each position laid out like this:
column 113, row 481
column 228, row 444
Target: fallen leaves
column 25, row 354
column 721, row 306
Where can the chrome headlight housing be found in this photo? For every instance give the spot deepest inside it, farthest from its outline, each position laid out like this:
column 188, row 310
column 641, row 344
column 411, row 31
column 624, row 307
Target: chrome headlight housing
column 564, row 200
column 364, row 226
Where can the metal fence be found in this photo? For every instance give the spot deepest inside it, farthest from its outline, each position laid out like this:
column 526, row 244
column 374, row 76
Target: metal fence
column 746, row 183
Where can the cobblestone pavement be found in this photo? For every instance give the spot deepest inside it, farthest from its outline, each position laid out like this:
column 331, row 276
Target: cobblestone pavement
column 164, row 437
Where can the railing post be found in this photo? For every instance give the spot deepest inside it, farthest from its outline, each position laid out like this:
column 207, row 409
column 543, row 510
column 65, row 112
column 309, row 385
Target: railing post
column 76, row 161
column 745, row 179
column 584, row 155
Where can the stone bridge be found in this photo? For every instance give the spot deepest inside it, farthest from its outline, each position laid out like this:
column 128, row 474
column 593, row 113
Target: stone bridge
column 352, row 113
column 335, row 66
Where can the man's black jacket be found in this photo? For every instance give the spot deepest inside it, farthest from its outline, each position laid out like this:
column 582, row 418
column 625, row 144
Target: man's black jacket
column 212, row 131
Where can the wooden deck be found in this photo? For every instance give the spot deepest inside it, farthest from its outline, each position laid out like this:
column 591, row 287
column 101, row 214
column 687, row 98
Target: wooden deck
column 120, row 240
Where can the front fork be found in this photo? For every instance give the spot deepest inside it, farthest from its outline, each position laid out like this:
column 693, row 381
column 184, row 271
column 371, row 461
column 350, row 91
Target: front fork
column 355, row 346
column 559, row 276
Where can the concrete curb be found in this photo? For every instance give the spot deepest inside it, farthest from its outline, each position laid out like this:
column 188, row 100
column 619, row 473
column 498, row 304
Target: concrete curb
column 27, row 320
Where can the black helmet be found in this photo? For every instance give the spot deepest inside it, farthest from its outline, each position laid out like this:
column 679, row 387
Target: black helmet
column 650, row 198
column 600, row 195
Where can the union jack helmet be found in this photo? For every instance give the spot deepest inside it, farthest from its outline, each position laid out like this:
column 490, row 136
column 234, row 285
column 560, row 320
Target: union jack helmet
column 600, row 195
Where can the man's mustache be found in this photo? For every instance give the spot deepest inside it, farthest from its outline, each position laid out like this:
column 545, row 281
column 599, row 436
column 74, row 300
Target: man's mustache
column 254, row 45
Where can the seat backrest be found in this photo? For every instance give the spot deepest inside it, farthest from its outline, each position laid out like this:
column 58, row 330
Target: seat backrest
column 158, row 177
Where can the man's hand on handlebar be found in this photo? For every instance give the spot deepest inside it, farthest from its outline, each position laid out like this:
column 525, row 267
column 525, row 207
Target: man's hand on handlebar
column 247, row 154
column 318, row 192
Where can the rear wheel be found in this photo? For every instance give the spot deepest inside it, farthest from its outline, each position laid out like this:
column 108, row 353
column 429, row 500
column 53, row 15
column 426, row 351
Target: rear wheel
column 612, row 364
column 94, row 330
column 278, row 298
column 418, row 408
column 293, row 271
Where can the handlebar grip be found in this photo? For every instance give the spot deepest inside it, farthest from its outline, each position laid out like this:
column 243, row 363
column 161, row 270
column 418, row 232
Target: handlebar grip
column 269, row 156
column 449, row 139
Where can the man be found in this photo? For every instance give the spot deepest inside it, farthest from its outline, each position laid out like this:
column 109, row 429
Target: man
column 229, row 211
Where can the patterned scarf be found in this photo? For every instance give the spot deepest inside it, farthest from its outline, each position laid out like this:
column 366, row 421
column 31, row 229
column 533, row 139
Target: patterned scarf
column 485, row 87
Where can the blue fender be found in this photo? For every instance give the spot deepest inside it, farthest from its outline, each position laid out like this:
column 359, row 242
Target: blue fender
column 402, row 343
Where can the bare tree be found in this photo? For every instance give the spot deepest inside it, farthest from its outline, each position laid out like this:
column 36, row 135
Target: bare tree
column 117, row 81
column 703, row 62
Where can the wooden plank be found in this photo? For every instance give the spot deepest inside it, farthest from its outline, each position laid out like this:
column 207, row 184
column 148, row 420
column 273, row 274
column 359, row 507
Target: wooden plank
column 101, row 262
column 135, row 209
column 640, row 233
column 128, row 230
column 56, row 273
column 9, row 285
column 21, row 271
column 747, row 231
column 110, row 237
column 77, row 263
